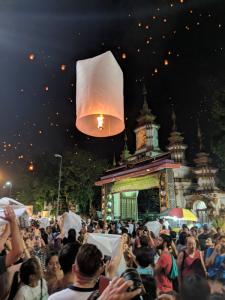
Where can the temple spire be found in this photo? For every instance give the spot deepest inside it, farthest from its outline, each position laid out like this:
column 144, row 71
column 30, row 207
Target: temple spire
column 174, row 119
column 144, row 92
column 199, row 134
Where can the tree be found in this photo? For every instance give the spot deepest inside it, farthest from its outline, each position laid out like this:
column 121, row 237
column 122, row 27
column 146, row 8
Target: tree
column 218, row 138
column 41, row 183
column 80, row 170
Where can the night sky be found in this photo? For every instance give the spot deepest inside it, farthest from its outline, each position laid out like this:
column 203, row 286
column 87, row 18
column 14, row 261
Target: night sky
column 190, row 35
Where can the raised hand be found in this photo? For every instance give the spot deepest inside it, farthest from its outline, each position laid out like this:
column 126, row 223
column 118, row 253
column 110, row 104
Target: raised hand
column 9, row 214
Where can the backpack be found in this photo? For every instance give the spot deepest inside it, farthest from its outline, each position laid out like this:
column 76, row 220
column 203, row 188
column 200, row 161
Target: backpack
column 173, row 272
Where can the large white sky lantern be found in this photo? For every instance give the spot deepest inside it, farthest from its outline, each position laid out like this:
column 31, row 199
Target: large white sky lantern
column 99, row 96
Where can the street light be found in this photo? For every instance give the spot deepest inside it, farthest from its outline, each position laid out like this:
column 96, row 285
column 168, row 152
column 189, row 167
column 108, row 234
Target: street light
column 10, row 187
column 57, row 155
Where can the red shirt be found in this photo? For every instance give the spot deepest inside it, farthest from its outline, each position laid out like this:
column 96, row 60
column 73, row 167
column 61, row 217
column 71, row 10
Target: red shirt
column 163, row 283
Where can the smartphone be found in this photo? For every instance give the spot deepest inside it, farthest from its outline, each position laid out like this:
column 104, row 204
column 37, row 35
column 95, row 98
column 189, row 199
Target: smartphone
column 106, row 258
column 37, row 238
column 103, row 283
column 145, row 231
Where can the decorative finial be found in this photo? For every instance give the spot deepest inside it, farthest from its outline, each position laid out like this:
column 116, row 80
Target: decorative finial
column 125, row 139
column 144, row 92
column 199, row 134
column 114, row 160
column 174, row 119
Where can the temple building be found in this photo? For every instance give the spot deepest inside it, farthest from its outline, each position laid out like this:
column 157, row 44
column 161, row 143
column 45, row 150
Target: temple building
column 128, row 187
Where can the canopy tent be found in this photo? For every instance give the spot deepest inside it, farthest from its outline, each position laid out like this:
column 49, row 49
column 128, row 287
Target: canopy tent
column 179, row 214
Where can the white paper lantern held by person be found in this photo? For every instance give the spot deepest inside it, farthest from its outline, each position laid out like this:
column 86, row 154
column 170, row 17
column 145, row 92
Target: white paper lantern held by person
column 99, row 96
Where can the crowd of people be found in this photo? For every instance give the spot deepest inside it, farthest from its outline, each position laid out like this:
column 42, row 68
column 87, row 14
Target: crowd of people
column 42, row 263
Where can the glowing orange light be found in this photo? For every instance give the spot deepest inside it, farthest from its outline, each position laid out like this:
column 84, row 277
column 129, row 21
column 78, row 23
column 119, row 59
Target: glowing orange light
column 219, row 25
column 46, row 88
column 32, row 56
column 156, row 70
column 146, row 27
column 154, row 17
column 174, row 31
column 63, row 67
column 4, row 149
column 171, row 4
column 164, row 20
column 139, row 24
column 21, row 90
column 147, row 42
column 124, row 55
column 3, row 186
column 181, row 1
column 198, row 23
column 150, row 38
column 169, row 52
column 191, row 11
column 31, row 167
column 21, row 156
column 89, row 159
column 138, row 50
column 100, row 122
column 40, row 131
column 166, row 62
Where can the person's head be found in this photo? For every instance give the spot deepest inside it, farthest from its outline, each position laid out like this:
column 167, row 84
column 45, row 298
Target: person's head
column 113, row 225
column 101, row 224
column 72, row 235
column 87, row 265
column 219, row 230
column 161, row 221
column 216, row 238
column 190, row 244
column 128, row 222
column 67, row 256
column 124, row 230
column 44, row 237
column 173, row 235
column 210, row 243
column 222, row 243
column 182, row 238
column 185, row 228
column 29, row 229
column 30, row 271
column 52, row 263
column 144, row 242
column 194, row 224
column 150, row 286
column 193, row 232
column 206, row 228
column 49, row 229
column 144, row 257
column 83, row 231
column 126, row 238
column 164, row 241
column 194, row 287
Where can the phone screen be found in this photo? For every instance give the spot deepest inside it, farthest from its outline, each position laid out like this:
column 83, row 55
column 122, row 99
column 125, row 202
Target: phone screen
column 106, row 258
column 103, row 283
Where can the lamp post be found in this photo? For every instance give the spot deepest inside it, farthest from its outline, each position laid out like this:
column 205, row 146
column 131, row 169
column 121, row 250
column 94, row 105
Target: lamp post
column 57, row 155
column 10, row 187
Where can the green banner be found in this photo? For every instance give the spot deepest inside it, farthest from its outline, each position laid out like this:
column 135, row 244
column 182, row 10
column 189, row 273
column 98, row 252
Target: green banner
column 135, row 184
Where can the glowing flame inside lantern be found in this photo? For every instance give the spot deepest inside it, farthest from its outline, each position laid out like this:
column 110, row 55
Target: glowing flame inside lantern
column 31, row 167
column 100, row 122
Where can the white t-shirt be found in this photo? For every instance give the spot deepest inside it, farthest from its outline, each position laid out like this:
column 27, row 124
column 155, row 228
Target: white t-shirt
column 75, row 293
column 166, row 224
column 27, row 292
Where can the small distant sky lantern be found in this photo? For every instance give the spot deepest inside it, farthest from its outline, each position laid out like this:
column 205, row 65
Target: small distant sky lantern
column 32, row 56
column 164, row 20
column 46, row 88
column 166, row 62
column 31, row 167
column 147, row 27
column 181, row 1
column 156, row 70
column 21, row 156
column 63, row 67
column 99, row 96
column 124, row 55
column 139, row 24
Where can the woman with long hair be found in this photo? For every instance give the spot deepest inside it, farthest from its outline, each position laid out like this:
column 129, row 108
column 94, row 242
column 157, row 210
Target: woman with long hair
column 32, row 285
